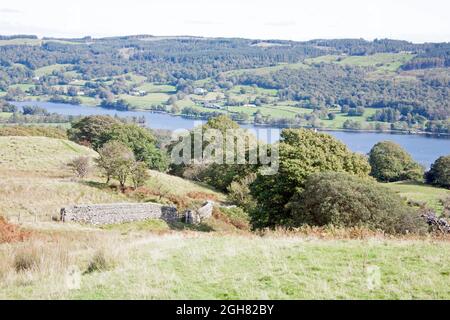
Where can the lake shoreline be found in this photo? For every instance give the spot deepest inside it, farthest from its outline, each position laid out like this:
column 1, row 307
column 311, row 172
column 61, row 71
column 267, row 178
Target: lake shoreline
column 325, row 129
column 424, row 148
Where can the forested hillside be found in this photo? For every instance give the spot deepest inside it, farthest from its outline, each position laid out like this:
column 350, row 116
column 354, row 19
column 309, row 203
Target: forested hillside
column 340, row 84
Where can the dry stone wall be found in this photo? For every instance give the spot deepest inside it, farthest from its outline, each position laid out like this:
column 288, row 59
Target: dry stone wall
column 197, row 216
column 102, row 214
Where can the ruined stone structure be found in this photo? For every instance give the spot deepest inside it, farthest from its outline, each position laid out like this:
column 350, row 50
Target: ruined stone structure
column 196, row 216
column 101, row 214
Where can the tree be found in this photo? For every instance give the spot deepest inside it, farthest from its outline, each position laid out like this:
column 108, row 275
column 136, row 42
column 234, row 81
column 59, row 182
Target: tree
column 218, row 175
column 90, row 130
column 344, row 200
column 140, row 140
column 390, row 162
column 439, row 173
column 116, row 160
column 301, row 153
column 139, row 174
column 351, row 125
column 239, row 192
column 81, row 166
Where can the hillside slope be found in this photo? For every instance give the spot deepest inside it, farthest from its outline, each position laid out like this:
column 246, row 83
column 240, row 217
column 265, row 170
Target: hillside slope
column 141, row 261
column 35, row 181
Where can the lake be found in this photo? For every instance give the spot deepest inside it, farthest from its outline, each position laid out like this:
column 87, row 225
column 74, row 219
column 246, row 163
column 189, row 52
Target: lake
column 424, row 149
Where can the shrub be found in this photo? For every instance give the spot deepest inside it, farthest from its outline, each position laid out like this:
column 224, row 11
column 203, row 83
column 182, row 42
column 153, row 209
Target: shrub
column 344, row 200
column 439, row 174
column 239, row 192
column 390, row 162
column 116, row 160
column 301, row 153
column 11, row 233
column 100, row 262
column 139, row 174
column 234, row 216
column 26, row 260
column 81, row 166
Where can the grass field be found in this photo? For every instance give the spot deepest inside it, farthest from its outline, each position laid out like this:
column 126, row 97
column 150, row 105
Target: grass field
column 389, row 62
column 254, row 90
column 266, row 70
column 420, row 192
column 157, row 88
column 15, row 42
column 47, row 70
column 33, row 42
column 22, row 86
column 5, row 115
column 146, row 101
column 338, row 122
column 195, row 265
column 154, row 260
column 279, row 111
column 35, row 168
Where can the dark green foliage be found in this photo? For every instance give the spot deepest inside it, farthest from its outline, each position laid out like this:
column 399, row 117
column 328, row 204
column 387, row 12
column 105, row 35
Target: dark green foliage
column 219, row 176
column 139, row 174
column 390, row 162
column 439, row 173
column 91, row 130
column 138, row 139
column 98, row 130
column 239, row 192
column 302, row 153
column 344, row 200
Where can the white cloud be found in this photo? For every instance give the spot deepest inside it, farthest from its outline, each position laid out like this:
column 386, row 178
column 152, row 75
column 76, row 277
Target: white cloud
column 413, row 20
column 9, row 10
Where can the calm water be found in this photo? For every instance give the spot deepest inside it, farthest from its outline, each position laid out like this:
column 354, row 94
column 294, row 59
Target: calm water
column 424, row 149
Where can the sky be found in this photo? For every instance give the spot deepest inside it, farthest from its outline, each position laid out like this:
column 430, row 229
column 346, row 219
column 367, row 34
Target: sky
column 413, row 20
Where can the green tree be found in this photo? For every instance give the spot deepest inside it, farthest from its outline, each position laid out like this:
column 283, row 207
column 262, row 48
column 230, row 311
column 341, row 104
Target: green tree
column 239, row 192
column 116, row 160
column 217, row 175
column 140, row 140
column 439, row 173
column 89, row 130
column 390, row 162
column 139, row 174
column 344, row 200
column 301, row 153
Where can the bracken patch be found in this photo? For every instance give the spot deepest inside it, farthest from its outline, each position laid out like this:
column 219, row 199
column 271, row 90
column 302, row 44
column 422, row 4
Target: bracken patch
column 12, row 233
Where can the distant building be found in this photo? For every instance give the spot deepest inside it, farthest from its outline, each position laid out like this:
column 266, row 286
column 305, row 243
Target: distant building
column 199, row 91
column 213, row 106
column 138, row 93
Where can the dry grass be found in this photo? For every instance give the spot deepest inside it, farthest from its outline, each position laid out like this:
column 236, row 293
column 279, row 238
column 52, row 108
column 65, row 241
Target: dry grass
column 353, row 233
column 35, row 169
column 82, row 263
column 69, row 261
column 38, row 156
